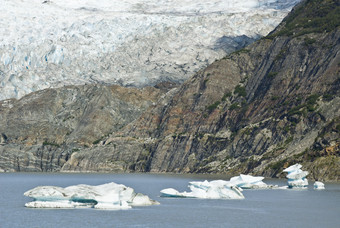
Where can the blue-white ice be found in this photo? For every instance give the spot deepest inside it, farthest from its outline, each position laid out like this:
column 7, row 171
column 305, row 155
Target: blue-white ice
column 296, row 176
column 107, row 196
column 217, row 189
column 319, row 185
column 220, row 189
column 250, row 182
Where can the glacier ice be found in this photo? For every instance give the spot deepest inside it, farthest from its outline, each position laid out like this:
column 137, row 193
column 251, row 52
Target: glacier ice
column 217, row 189
column 127, row 42
column 106, row 196
column 319, row 185
column 296, row 177
column 249, row 182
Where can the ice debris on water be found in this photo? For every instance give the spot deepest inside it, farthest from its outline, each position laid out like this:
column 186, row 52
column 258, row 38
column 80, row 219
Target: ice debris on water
column 296, row 176
column 106, row 196
column 217, row 189
column 250, row 182
column 319, row 185
column 220, row 189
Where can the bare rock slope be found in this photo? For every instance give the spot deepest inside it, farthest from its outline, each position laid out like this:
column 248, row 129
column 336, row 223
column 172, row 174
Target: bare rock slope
column 257, row 111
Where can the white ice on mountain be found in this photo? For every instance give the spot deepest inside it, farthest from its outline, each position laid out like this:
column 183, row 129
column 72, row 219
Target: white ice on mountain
column 106, row 196
column 296, row 176
column 127, row 42
column 217, row 189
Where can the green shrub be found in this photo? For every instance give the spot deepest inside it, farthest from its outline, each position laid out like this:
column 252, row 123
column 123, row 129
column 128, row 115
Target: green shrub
column 96, row 141
column 46, row 143
column 234, row 106
column 240, row 90
column 314, row 16
column 272, row 74
column 309, row 41
column 274, row 98
column 213, row 106
column 228, row 94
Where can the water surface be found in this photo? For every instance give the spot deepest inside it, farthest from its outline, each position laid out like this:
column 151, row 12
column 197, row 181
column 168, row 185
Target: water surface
column 260, row 208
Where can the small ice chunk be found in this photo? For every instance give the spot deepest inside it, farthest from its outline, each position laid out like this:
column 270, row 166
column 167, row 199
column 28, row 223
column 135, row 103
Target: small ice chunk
column 217, row 189
column 293, row 168
column 107, row 196
column 249, row 182
column 319, row 185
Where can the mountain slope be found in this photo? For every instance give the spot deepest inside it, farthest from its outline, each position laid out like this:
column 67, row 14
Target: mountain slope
column 257, row 111
column 41, row 130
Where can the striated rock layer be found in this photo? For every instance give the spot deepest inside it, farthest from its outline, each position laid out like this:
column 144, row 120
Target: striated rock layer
column 40, row 131
column 257, row 111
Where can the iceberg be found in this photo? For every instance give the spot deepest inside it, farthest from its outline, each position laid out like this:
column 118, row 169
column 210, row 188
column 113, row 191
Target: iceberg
column 296, row 177
column 106, row 196
column 217, row 189
column 319, row 185
column 250, row 182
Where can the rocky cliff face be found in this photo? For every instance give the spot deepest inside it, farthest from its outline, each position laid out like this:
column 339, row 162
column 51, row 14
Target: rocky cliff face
column 41, row 130
column 256, row 111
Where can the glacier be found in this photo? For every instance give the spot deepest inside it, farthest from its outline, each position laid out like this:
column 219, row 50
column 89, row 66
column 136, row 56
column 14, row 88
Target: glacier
column 296, row 176
column 217, row 189
column 110, row 196
column 54, row 43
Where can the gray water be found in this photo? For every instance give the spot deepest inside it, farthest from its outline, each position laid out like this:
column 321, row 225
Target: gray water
column 260, row 208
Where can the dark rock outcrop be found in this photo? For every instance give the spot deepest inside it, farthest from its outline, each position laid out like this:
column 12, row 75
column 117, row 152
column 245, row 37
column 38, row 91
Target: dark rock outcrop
column 40, row 131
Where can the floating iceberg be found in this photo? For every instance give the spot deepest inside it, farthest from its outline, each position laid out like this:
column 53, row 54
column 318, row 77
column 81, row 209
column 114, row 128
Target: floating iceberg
column 107, row 196
column 250, row 182
column 296, row 177
column 319, row 185
column 217, row 189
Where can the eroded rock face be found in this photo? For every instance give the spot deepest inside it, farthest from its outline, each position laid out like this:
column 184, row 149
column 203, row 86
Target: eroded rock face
column 257, row 111
column 40, row 131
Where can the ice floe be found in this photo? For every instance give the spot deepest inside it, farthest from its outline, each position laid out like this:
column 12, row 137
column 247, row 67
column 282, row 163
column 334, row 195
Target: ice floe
column 250, row 182
column 217, row 189
column 296, row 176
column 319, row 185
column 106, row 196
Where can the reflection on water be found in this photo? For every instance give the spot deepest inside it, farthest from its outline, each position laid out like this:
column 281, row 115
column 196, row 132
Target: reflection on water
column 260, row 208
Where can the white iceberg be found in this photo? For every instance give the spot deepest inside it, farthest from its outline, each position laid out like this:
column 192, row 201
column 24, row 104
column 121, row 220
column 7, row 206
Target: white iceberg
column 296, row 177
column 107, row 196
column 250, row 182
column 217, row 189
column 319, row 185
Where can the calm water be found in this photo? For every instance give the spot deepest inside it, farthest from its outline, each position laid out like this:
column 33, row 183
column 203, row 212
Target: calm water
column 261, row 208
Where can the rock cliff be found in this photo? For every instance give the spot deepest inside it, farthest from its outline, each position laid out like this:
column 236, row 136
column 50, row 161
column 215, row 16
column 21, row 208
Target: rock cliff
column 40, row 131
column 258, row 110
